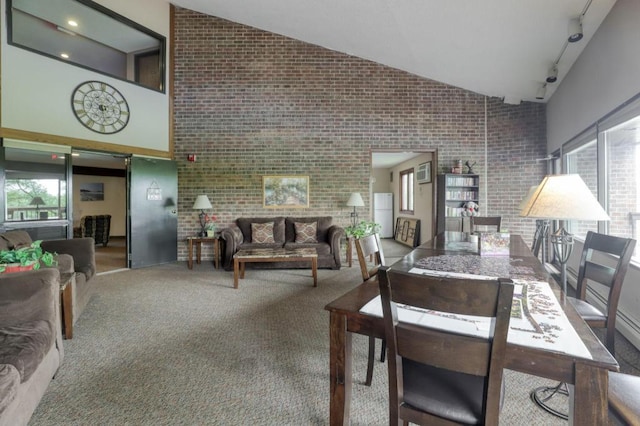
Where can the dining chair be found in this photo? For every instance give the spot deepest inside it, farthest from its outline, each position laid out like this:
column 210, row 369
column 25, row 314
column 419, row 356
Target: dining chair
column 595, row 267
column 370, row 247
column 485, row 223
column 604, row 261
column 440, row 376
column 624, row 404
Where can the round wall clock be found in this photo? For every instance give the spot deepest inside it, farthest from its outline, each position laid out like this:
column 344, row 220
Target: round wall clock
column 100, row 107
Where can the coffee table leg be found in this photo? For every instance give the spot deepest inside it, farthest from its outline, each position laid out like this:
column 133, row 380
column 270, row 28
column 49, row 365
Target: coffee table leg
column 314, row 270
column 236, row 272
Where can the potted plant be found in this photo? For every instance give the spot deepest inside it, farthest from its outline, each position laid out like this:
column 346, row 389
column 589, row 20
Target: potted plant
column 210, row 225
column 362, row 229
column 25, row 258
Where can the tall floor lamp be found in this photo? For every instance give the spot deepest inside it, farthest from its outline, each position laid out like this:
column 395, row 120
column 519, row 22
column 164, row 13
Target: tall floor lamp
column 561, row 197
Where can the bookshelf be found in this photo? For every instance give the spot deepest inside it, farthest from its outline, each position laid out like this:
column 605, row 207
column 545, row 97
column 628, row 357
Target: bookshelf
column 454, row 190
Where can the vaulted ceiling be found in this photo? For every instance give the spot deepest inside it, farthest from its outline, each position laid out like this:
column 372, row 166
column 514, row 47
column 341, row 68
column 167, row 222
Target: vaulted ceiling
column 497, row 48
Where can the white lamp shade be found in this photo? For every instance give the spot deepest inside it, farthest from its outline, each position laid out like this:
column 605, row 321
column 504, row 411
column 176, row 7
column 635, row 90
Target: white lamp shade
column 527, row 197
column 355, row 200
column 202, row 202
column 563, row 197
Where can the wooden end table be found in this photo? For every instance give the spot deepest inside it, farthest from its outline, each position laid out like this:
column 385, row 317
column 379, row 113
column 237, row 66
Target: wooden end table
column 274, row 255
column 66, row 303
column 198, row 241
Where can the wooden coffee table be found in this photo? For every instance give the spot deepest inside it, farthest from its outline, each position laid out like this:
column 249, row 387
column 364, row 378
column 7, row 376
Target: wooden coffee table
column 274, row 255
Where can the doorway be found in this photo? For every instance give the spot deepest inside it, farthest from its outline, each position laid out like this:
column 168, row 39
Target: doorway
column 99, row 185
column 386, row 167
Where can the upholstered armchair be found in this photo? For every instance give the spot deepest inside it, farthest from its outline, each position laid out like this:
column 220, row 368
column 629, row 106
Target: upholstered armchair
column 96, row 227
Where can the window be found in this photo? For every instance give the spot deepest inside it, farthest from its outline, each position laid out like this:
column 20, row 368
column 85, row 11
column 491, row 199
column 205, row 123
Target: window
column 584, row 162
column 623, row 178
column 35, row 186
column 608, row 160
column 406, row 191
column 83, row 33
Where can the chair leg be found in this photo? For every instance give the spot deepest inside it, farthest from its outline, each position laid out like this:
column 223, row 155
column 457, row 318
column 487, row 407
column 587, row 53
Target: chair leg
column 610, row 341
column 372, row 351
column 383, row 350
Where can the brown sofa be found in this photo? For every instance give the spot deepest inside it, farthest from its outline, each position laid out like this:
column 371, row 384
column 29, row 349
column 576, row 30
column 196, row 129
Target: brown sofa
column 77, row 256
column 30, row 341
column 328, row 238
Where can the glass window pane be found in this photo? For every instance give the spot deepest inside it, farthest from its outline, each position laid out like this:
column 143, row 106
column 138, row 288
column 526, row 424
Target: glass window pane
column 623, row 178
column 584, row 162
column 35, row 186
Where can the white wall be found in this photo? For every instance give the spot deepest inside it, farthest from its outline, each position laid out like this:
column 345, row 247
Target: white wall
column 114, row 203
column 605, row 76
column 423, row 196
column 36, row 90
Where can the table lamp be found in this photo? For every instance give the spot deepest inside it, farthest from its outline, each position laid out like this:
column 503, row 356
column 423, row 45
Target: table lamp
column 563, row 197
column 355, row 200
column 37, row 201
column 202, row 202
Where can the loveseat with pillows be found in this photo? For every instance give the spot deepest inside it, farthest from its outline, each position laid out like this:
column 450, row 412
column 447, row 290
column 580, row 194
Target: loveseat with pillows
column 280, row 232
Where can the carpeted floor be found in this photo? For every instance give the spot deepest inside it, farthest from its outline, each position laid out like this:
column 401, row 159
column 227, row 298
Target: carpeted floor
column 166, row 345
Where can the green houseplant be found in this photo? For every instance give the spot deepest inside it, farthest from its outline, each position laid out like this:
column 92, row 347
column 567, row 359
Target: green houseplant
column 25, row 258
column 362, row 229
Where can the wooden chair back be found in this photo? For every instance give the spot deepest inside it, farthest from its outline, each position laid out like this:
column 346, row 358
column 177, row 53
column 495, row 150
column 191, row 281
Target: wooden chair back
column 481, row 223
column 368, row 247
column 609, row 274
column 445, row 350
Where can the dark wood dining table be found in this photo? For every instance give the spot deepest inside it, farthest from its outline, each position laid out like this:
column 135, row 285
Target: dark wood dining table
column 587, row 378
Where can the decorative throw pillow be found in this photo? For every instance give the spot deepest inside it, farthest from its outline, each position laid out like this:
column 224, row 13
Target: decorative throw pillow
column 306, row 232
column 262, row 233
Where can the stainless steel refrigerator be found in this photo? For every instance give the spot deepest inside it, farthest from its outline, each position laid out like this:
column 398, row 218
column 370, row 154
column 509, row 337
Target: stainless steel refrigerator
column 383, row 213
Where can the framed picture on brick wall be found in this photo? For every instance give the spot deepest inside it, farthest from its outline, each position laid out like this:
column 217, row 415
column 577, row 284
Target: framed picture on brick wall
column 285, row 191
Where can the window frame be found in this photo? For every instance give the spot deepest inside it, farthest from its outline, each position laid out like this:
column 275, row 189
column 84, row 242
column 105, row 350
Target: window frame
column 407, row 194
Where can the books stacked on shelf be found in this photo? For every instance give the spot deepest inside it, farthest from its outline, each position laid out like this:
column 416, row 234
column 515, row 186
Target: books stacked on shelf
column 461, row 181
column 462, row 195
column 454, row 211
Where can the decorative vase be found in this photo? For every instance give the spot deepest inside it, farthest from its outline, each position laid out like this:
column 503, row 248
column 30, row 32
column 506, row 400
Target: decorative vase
column 211, row 232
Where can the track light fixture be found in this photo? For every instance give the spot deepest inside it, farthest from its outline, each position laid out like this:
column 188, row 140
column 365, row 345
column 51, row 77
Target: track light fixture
column 552, row 75
column 575, row 29
column 542, row 92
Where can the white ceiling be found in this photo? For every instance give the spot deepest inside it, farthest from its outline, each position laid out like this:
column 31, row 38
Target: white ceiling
column 385, row 160
column 498, row 48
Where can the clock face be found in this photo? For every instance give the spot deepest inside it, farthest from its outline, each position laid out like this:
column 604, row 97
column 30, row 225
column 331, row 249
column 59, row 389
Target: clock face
column 100, row 107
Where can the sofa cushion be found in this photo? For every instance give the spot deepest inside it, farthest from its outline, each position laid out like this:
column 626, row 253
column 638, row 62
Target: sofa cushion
column 306, row 232
column 324, row 223
column 9, row 383
column 244, row 223
column 24, row 346
column 262, row 233
column 17, row 239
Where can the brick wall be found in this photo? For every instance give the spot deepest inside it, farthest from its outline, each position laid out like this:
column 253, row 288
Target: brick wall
column 250, row 103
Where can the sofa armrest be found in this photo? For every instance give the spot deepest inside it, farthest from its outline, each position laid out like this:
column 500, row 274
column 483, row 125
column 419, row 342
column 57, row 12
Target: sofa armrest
column 29, row 296
column 232, row 237
column 83, row 251
column 334, row 236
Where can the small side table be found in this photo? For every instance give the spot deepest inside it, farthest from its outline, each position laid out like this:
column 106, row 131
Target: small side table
column 66, row 303
column 198, row 241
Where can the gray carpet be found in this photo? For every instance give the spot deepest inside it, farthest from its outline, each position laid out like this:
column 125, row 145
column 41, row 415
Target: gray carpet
column 167, row 345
